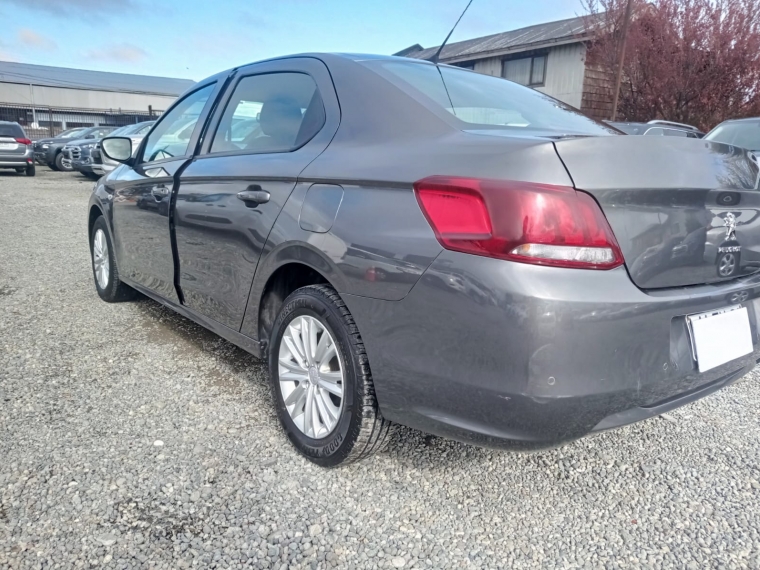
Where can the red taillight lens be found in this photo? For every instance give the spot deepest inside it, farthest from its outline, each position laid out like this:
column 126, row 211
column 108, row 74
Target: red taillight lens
column 519, row 221
column 27, row 142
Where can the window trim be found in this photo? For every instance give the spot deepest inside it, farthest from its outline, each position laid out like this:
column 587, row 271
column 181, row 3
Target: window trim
column 213, row 127
column 532, row 55
column 192, row 144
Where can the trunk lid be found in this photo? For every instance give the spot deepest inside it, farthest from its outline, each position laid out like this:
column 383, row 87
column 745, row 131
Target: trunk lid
column 684, row 211
column 9, row 146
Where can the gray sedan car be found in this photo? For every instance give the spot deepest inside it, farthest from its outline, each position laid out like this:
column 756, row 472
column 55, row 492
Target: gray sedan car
column 419, row 244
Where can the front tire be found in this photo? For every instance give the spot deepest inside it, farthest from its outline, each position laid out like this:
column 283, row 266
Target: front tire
column 109, row 286
column 60, row 165
column 321, row 382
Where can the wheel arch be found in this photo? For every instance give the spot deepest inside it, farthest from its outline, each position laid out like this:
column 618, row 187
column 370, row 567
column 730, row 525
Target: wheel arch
column 94, row 213
column 287, row 268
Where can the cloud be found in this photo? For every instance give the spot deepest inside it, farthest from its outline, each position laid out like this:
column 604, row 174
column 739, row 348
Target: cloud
column 76, row 8
column 32, row 39
column 123, row 53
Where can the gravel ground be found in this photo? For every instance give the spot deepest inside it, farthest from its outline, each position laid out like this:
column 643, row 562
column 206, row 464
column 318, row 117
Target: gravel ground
column 132, row 438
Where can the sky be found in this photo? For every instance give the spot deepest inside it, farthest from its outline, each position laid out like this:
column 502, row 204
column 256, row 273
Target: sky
column 197, row 38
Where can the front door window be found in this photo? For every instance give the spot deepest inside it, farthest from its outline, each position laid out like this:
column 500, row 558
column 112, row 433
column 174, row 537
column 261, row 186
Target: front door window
column 171, row 137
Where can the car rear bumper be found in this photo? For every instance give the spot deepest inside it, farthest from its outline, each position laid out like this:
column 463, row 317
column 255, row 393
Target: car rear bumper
column 520, row 356
column 16, row 160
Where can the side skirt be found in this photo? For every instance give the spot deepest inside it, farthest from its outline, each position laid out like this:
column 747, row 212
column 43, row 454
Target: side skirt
column 247, row 343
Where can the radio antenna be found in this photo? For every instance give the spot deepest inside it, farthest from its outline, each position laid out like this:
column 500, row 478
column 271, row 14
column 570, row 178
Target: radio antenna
column 434, row 59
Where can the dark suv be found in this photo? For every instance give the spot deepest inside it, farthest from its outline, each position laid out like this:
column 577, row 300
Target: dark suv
column 49, row 151
column 15, row 149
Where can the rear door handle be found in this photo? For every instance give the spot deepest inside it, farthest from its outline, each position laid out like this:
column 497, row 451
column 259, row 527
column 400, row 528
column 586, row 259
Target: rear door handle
column 254, row 196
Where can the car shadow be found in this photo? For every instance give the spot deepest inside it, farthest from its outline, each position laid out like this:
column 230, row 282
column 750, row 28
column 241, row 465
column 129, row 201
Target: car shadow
column 166, row 327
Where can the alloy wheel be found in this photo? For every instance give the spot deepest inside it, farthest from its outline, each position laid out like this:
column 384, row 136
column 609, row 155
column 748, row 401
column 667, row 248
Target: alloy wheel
column 727, row 265
column 311, row 377
column 100, row 258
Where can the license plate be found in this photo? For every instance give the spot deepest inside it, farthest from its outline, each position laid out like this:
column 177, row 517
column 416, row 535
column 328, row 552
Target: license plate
column 720, row 336
column 8, row 146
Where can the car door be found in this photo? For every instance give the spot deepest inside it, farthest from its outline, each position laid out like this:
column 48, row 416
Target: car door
column 273, row 120
column 143, row 192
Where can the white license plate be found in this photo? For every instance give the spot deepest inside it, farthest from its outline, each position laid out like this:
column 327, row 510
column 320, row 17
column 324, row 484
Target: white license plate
column 720, row 336
column 8, row 146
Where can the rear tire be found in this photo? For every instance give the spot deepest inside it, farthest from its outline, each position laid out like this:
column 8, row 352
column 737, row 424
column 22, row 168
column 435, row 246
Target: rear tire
column 31, row 170
column 359, row 429
column 109, row 286
column 60, row 165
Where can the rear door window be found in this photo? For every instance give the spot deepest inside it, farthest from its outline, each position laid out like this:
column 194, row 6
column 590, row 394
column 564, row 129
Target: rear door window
column 273, row 112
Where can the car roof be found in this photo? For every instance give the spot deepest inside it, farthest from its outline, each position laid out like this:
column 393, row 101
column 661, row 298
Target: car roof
column 743, row 120
column 322, row 56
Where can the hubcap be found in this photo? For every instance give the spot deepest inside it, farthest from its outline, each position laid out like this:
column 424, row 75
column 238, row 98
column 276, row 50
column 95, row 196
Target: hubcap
column 311, row 377
column 727, row 265
column 100, row 260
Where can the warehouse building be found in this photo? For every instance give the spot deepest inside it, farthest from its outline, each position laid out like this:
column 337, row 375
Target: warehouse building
column 549, row 57
column 47, row 100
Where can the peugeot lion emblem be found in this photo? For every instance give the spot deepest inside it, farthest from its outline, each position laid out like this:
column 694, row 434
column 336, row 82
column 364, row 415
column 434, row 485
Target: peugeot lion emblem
column 729, row 252
column 730, row 223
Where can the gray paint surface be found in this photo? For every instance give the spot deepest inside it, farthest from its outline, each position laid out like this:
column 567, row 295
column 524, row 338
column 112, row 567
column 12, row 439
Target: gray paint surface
column 483, row 350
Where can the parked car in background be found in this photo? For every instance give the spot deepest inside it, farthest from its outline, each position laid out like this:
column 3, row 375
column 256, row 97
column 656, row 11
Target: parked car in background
column 16, row 149
column 658, row 128
column 400, row 254
column 49, row 151
column 744, row 133
column 84, row 156
column 102, row 164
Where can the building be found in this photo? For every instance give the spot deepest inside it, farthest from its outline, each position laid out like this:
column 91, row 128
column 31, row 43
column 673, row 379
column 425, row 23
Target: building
column 47, row 100
column 550, row 58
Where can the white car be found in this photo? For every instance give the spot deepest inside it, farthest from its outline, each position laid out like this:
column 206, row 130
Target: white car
column 101, row 164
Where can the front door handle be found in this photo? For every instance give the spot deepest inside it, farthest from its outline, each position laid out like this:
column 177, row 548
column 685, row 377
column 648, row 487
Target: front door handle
column 254, row 197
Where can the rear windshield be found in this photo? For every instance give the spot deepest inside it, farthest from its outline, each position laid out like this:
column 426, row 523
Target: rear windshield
column 484, row 101
column 12, row 131
column 745, row 134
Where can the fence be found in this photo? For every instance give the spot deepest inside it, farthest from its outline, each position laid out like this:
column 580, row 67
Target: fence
column 41, row 122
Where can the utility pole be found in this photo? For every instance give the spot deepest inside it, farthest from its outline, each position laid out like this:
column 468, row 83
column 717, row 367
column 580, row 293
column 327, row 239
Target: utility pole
column 621, row 58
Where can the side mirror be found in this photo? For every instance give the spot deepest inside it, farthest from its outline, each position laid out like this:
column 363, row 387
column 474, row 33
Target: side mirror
column 117, row 148
column 90, row 137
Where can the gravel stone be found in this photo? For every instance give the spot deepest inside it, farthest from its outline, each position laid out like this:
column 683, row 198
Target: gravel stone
column 86, row 388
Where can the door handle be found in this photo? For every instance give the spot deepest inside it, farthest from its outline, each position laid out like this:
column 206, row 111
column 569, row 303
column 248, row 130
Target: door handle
column 254, row 197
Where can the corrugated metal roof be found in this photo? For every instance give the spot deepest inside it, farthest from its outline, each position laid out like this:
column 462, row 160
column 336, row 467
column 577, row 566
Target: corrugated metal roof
column 11, row 72
column 510, row 41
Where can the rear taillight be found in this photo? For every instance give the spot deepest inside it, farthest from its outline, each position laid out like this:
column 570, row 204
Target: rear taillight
column 27, row 142
column 519, row 221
